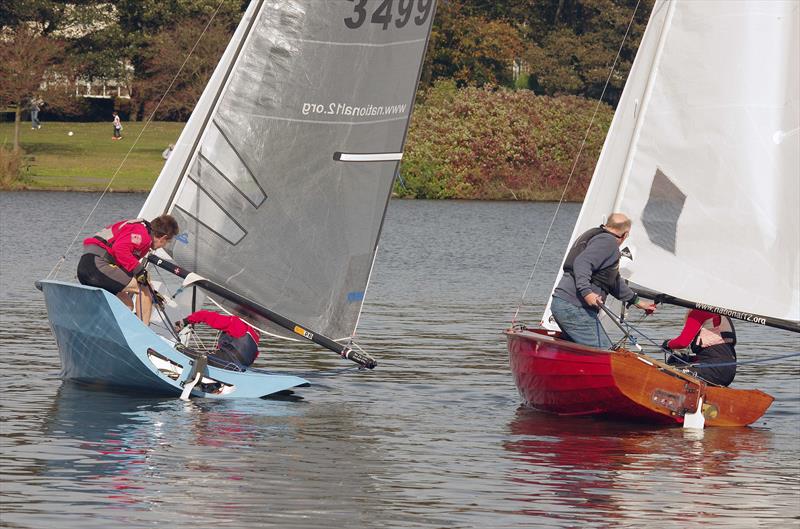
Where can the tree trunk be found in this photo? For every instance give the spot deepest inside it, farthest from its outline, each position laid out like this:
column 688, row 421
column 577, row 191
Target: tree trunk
column 558, row 12
column 17, row 119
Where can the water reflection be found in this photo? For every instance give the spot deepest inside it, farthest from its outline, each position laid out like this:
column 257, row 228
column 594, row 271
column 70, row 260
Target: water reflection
column 167, row 458
column 615, row 471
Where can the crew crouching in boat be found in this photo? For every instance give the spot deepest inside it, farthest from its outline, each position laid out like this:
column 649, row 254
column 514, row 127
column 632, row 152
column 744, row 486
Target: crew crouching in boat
column 591, row 272
column 113, row 258
column 712, row 339
column 238, row 341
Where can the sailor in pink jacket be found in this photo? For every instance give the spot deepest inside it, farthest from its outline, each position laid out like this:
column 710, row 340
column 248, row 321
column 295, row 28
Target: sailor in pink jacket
column 238, row 341
column 712, row 339
column 114, row 258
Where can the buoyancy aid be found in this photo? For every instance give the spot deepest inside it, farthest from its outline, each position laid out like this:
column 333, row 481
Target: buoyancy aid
column 107, row 235
column 710, row 334
column 128, row 255
column 605, row 278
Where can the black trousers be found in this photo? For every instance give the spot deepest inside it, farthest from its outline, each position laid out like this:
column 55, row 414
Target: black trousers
column 716, row 354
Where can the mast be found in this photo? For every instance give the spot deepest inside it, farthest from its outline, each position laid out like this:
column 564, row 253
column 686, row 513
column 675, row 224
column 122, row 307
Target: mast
column 606, row 183
column 641, row 106
column 214, row 102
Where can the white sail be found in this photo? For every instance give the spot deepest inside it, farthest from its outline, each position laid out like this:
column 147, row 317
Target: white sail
column 704, row 155
column 282, row 175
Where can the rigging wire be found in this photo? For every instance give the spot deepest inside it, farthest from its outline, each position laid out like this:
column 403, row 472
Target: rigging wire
column 575, row 164
column 57, row 268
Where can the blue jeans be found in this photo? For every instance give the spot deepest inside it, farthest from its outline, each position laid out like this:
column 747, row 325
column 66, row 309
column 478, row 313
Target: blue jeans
column 581, row 324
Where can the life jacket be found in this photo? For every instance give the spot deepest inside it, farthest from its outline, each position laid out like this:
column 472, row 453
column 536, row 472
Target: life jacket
column 710, row 334
column 605, row 278
column 106, row 236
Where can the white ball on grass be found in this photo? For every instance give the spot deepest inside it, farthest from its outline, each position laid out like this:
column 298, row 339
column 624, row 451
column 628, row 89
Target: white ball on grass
column 69, row 133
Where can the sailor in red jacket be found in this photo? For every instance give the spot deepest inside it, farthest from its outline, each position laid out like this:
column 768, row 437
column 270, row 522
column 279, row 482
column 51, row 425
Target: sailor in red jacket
column 712, row 339
column 113, row 258
column 238, row 342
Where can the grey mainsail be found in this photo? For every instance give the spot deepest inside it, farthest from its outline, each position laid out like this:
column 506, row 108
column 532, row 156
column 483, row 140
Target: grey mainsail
column 281, row 178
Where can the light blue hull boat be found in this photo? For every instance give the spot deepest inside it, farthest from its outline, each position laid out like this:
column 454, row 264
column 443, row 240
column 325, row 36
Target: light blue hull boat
column 101, row 342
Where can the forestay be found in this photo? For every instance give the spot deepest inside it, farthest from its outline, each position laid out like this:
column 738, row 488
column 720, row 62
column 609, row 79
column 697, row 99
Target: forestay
column 282, row 175
column 704, row 155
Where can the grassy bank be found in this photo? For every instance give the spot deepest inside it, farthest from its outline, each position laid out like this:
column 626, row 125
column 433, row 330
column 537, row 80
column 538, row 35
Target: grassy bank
column 89, row 158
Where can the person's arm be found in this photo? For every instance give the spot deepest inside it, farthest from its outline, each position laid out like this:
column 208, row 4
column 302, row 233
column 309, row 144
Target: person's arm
column 598, row 251
column 229, row 324
column 584, row 264
column 694, row 320
column 210, row 318
column 624, row 293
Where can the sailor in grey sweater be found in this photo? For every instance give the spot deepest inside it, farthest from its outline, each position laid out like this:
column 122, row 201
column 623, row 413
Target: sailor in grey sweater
column 591, row 272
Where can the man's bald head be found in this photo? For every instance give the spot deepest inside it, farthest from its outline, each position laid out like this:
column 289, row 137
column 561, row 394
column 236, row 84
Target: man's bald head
column 619, row 223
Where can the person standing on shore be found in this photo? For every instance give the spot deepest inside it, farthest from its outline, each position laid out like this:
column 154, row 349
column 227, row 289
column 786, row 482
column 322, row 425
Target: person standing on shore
column 35, row 107
column 117, row 127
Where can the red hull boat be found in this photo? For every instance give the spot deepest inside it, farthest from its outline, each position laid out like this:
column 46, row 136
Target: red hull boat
column 566, row 378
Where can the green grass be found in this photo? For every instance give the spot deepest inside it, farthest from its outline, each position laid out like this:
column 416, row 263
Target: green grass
column 89, row 158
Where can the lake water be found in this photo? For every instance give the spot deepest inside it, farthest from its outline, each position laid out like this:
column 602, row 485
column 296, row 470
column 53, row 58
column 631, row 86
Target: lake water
column 433, row 438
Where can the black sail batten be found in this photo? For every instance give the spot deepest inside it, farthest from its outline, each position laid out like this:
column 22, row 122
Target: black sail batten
column 660, row 297
column 319, row 339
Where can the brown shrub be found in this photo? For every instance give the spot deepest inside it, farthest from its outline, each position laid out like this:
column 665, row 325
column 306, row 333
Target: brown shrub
column 11, row 165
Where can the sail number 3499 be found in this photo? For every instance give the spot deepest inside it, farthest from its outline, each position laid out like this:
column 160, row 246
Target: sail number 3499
column 384, row 13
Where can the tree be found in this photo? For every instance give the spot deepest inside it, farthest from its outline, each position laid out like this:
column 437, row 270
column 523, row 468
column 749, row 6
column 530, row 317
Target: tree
column 27, row 60
column 54, row 17
column 573, row 44
column 140, row 21
column 569, row 45
column 89, row 33
column 470, row 49
column 163, row 60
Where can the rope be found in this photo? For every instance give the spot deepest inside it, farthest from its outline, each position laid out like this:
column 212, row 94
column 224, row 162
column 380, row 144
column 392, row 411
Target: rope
column 574, row 165
column 631, row 327
column 56, row 269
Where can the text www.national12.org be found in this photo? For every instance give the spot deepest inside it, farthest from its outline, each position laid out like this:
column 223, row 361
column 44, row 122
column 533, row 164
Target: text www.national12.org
column 343, row 109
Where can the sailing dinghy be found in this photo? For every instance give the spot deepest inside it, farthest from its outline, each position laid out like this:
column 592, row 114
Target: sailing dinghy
column 703, row 154
column 279, row 182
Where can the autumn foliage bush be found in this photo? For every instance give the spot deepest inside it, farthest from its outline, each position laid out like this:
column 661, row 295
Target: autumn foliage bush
column 489, row 143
